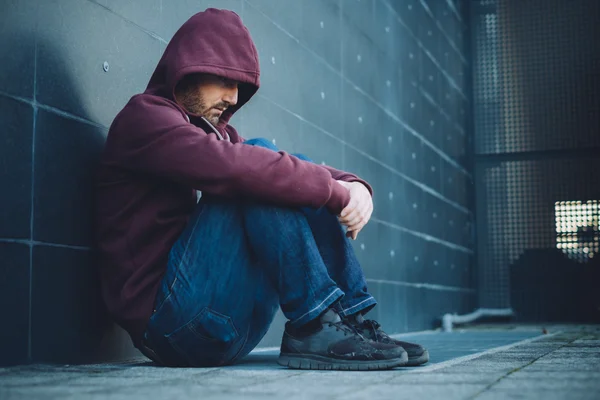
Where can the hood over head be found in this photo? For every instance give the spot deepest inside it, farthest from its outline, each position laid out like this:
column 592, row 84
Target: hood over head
column 213, row 42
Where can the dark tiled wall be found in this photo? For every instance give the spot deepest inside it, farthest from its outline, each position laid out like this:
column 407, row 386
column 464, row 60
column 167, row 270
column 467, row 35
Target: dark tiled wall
column 376, row 87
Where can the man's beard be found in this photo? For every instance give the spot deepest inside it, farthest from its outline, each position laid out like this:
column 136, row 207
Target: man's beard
column 195, row 104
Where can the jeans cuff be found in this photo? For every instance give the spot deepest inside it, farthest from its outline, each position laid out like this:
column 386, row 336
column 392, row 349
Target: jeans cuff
column 369, row 303
column 333, row 297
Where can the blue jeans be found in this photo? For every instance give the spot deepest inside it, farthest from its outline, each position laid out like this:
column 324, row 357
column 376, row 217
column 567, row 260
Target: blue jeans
column 236, row 262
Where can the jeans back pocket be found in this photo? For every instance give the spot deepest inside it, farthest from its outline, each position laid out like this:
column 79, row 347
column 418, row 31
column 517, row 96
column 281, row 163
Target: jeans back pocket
column 208, row 339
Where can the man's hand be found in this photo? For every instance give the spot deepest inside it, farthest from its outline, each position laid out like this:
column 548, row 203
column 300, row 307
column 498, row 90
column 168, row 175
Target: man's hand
column 358, row 211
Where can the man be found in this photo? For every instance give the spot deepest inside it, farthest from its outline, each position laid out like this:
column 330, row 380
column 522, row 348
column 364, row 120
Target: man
column 198, row 284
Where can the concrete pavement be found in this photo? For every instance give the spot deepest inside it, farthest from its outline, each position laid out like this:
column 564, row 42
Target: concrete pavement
column 485, row 362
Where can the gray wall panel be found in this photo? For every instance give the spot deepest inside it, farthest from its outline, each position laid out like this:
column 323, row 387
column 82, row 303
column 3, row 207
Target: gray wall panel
column 17, row 48
column 14, row 278
column 15, row 168
column 74, row 41
column 65, row 159
column 68, row 320
column 175, row 12
column 147, row 14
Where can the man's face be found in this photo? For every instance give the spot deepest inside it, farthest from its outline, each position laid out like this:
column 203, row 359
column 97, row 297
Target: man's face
column 207, row 95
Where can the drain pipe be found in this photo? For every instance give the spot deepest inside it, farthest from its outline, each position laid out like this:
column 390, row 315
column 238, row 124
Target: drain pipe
column 450, row 319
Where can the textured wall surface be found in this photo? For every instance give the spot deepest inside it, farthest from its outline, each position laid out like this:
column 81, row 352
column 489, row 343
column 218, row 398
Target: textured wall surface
column 377, row 87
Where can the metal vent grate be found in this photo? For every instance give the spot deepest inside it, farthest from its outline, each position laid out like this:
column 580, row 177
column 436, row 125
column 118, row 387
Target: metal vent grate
column 537, row 134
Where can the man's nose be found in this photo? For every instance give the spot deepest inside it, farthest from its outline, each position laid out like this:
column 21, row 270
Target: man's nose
column 231, row 96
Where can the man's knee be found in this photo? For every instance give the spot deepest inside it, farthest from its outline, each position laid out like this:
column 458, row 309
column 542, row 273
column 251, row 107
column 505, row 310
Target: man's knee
column 270, row 210
column 262, row 218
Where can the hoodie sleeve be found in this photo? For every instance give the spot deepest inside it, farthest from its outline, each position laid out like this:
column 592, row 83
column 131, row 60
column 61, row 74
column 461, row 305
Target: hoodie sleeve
column 347, row 177
column 335, row 173
column 152, row 136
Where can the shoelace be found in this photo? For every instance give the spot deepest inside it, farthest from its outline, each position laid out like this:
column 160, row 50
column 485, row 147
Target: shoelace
column 347, row 328
column 373, row 326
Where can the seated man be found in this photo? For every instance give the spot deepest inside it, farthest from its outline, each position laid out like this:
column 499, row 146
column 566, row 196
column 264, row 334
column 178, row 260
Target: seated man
column 198, row 283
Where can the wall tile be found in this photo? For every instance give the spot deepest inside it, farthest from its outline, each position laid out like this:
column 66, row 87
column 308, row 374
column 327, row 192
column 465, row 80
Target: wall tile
column 359, row 58
column 410, row 12
column 391, row 306
column 321, row 30
column 390, row 142
column 413, row 160
column 15, row 168
column 144, row 13
column 400, row 209
column 403, row 258
column 74, row 41
column 175, row 12
column 362, row 121
column 411, row 104
column 380, row 263
column 320, row 147
column 365, row 247
column 388, row 33
column 281, row 60
column 315, row 24
column 409, row 203
column 321, row 92
column 68, row 318
column 395, row 246
column 382, row 184
column 361, row 14
column 448, row 21
column 287, row 14
column 417, row 315
column 374, row 289
column 66, row 155
column 427, row 32
column 14, row 296
column 262, row 118
column 17, row 22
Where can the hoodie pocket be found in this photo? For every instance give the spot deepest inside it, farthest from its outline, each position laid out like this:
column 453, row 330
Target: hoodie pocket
column 208, row 339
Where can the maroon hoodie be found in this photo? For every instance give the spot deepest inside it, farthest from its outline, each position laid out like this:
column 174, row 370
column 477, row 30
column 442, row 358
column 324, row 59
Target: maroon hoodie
column 157, row 155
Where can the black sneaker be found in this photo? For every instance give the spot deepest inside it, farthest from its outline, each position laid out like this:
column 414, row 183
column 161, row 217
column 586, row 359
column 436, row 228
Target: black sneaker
column 335, row 344
column 371, row 329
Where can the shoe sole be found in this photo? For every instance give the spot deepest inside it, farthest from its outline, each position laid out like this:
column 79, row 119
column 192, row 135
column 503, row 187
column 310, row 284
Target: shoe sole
column 309, row 361
column 422, row 359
